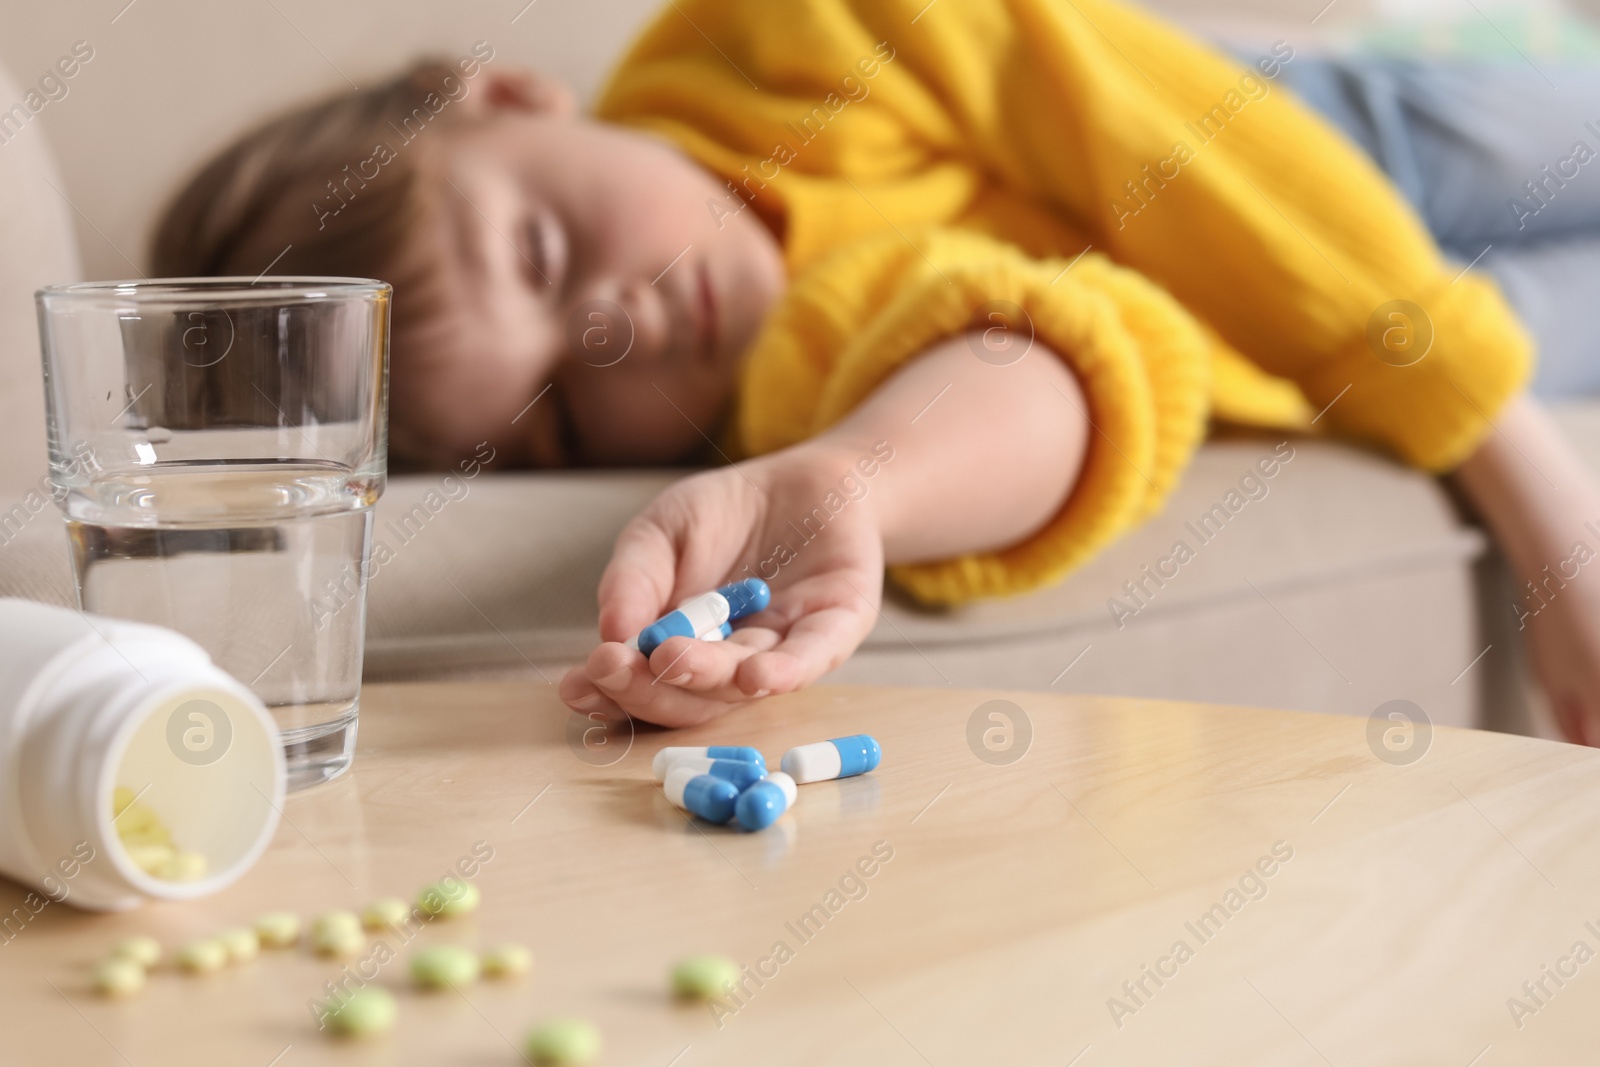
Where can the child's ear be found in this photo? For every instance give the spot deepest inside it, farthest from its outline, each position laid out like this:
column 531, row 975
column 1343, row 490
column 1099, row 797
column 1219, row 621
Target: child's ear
column 524, row 90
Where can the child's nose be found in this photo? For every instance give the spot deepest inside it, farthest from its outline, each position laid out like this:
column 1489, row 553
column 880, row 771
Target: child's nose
column 637, row 319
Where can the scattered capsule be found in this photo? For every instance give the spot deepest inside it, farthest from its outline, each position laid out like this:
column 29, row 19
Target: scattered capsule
column 842, row 757
column 118, row 976
column 507, row 961
column 145, row 951
column 203, row 956
column 563, row 1041
column 277, row 929
column 443, row 966
column 704, row 977
column 665, row 758
column 740, row 772
column 240, row 944
column 384, row 912
column 449, row 898
column 707, row 796
column 761, row 805
column 369, row 1010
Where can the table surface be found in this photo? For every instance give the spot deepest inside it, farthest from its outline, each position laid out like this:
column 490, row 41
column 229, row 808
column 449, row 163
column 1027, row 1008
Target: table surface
column 1007, row 902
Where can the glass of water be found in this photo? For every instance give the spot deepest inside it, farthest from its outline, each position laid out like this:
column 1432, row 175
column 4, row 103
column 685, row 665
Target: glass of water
column 217, row 445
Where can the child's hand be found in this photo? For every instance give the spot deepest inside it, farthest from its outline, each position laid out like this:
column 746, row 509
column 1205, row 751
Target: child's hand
column 1563, row 642
column 705, row 531
column 1538, row 498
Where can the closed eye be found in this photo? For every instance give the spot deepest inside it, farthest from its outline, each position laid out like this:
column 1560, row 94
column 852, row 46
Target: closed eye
column 546, row 254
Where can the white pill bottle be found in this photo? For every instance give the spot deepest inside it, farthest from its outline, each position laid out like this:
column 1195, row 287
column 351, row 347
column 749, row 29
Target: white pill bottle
column 89, row 704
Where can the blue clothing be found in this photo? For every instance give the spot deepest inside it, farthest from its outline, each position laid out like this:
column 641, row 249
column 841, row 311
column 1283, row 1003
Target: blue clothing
column 1501, row 164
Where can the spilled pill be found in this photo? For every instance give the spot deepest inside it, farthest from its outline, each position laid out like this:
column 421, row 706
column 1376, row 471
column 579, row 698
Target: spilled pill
column 145, row 951
column 507, row 961
column 842, row 757
column 665, row 758
column 449, row 898
column 704, row 795
column 240, row 944
column 761, row 805
column 337, row 933
column 202, row 956
column 704, row 977
column 118, row 976
column 385, row 911
column 563, row 1041
column 277, row 929
column 369, row 1010
column 444, row 965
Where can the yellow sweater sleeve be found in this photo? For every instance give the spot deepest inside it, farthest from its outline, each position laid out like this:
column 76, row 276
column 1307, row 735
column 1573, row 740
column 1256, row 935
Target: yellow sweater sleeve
column 1267, row 225
column 846, row 324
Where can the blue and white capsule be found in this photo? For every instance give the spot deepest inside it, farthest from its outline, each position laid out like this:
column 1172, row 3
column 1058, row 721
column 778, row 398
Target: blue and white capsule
column 707, row 616
column 699, row 616
column 842, row 757
column 765, row 802
column 746, row 598
column 742, row 773
column 705, row 795
column 666, row 757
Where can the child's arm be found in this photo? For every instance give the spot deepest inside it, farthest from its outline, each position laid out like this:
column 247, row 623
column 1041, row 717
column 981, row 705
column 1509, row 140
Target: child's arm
column 1535, row 496
column 983, row 455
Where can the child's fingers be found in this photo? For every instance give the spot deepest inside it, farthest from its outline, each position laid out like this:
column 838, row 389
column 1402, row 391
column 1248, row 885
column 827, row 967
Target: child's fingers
column 622, row 676
column 638, row 581
column 814, row 645
column 708, row 667
column 577, row 691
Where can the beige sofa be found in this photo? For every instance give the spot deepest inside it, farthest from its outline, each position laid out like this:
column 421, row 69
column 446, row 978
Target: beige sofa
column 1350, row 583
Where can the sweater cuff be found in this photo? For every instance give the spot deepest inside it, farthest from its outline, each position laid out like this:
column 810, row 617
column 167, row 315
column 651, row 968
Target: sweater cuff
column 1417, row 382
column 1141, row 363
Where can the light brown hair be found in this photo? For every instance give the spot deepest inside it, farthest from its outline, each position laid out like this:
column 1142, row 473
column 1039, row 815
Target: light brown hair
column 297, row 195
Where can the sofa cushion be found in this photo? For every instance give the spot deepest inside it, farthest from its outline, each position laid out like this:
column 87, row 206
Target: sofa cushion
column 1345, row 582
column 1345, row 566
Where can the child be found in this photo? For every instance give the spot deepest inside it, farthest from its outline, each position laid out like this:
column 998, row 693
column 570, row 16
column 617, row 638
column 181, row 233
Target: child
column 997, row 263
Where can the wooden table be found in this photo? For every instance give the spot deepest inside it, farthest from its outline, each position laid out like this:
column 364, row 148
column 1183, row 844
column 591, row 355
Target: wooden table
column 1006, row 906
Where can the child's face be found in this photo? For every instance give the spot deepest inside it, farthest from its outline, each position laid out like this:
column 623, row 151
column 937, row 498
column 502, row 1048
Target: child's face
column 584, row 258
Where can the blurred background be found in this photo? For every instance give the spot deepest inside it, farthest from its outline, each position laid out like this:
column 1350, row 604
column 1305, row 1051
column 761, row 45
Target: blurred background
column 171, row 80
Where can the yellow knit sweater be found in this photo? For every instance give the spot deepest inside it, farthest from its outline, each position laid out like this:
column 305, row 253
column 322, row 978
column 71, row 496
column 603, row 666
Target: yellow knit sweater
column 922, row 160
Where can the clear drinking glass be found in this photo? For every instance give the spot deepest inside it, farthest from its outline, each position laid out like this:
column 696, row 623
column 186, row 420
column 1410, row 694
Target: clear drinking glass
column 217, row 445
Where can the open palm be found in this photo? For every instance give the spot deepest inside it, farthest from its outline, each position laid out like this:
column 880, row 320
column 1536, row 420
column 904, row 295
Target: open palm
column 765, row 518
